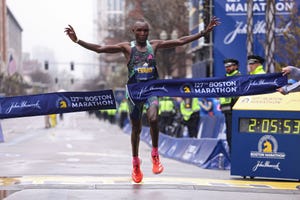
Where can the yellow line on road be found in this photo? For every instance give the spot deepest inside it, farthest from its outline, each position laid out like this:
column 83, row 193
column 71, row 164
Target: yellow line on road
column 44, row 180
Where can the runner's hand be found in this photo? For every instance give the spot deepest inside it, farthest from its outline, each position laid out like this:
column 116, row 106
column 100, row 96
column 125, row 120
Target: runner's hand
column 71, row 33
column 213, row 22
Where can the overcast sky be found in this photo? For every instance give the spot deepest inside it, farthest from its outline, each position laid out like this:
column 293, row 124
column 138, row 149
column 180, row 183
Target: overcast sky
column 43, row 23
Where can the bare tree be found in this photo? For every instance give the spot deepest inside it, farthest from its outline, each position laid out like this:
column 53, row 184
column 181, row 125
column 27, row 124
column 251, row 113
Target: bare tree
column 287, row 46
column 13, row 85
column 167, row 16
column 163, row 16
column 39, row 76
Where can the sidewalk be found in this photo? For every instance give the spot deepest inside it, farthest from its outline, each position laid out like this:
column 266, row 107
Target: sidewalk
column 15, row 127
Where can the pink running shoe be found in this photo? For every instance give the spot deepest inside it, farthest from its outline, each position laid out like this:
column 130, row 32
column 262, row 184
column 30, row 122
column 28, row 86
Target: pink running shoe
column 137, row 175
column 157, row 167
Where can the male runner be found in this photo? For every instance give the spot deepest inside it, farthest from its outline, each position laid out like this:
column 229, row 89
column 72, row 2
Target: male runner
column 140, row 56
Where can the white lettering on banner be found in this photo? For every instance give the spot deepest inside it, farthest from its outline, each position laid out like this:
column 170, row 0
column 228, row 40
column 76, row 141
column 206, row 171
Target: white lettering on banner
column 190, row 151
column 146, row 90
column 215, row 87
column 255, row 83
column 258, row 28
column 98, row 98
column 74, row 99
column 91, row 104
column 216, row 84
column 222, row 84
column 215, row 90
column 277, row 155
column 259, row 6
column 266, row 164
column 23, row 104
column 92, row 98
column 92, row 101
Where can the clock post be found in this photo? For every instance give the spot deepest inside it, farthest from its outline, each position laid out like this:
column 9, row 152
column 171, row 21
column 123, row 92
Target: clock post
column 266, row 136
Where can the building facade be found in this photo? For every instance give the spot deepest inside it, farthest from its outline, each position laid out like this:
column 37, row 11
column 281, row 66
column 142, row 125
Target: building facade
column 3, row 48
column 110, row 30
column 11, row 80
column 202, row 49
column 14, row 44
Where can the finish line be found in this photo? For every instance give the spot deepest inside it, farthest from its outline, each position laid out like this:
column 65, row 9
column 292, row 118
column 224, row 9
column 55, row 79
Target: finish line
column 95, row 182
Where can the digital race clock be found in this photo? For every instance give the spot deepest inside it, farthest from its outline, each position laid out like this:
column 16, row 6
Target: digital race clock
column 269, row 125
column 266, row 136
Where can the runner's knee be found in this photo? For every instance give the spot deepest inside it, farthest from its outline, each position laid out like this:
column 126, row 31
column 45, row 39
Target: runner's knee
column 153, row 119
column 136, row 127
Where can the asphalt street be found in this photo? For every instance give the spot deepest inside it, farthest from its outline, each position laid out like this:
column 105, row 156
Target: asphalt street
column 86, row 158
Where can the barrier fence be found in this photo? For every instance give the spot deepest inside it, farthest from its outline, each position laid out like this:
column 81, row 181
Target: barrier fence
column 209, row 151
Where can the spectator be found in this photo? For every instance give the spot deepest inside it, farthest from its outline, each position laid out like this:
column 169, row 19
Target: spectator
column 206, row 106
column 190, row 111
column 166, row 113
column 255, row 65
column 231, row 67
column 123, row 112
column 111, row 114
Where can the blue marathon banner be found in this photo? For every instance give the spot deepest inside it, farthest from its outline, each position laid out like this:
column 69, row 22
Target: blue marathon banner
column 53, row 103
column 207, row 87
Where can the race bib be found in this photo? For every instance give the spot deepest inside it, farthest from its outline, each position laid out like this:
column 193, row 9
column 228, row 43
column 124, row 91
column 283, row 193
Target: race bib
column 143, row 73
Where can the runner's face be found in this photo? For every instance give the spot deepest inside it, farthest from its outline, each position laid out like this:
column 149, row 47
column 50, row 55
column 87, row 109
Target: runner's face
column 141, row 31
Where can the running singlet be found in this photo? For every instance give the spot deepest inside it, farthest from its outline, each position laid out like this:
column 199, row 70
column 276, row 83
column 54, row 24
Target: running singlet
column 142, row 65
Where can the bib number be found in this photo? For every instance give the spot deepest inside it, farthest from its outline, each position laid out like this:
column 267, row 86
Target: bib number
column 143, row 73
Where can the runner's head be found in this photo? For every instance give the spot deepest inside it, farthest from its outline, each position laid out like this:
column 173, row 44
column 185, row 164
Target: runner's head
column 141, row 31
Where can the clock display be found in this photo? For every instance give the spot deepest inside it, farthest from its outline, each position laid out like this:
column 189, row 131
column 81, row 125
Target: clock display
column 269, row 125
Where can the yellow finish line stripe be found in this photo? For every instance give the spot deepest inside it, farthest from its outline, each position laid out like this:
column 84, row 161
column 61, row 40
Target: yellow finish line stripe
column 279, row 185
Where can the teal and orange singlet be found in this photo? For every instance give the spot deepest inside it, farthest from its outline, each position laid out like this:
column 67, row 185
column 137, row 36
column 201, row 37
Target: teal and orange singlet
column 141, row 68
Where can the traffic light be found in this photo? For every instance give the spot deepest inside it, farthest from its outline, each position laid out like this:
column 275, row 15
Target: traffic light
column 72, row 65
column 56, row 80
column 46, row 65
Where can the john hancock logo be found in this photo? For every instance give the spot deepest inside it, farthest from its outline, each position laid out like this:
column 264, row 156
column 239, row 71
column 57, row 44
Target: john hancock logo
column 267, row 149
column 186, row 88
column 62, row 103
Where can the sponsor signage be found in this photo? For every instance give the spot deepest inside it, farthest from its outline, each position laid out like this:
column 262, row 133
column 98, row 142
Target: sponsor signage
column 274, row 101
column 230, row 38
column 51, row 103
column 265, row 142
column 207, row 87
